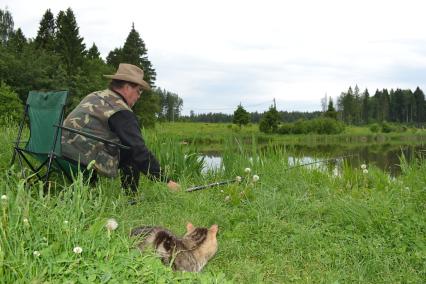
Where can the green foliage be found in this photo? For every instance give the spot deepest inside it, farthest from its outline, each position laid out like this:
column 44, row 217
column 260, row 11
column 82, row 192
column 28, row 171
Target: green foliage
column 171, row 105
column 387, row 128
column 270, row 120
column 324, row 227
column 69, row 43
column 11, row 108
column 46, row 34
column 241, row 116
column 6, row 26
column 322, row 125
column 146, row 109
column 375, row 128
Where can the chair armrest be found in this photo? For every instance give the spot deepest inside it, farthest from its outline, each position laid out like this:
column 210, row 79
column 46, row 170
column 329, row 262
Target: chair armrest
column 93, row 137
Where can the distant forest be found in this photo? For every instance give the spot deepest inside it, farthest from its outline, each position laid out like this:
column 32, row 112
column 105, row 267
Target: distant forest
column 57, row 59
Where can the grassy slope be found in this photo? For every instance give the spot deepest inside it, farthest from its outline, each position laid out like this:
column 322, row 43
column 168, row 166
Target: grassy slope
column 298, row 225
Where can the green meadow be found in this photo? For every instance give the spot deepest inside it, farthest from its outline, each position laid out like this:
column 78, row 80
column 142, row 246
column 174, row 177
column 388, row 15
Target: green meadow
column 294, row 225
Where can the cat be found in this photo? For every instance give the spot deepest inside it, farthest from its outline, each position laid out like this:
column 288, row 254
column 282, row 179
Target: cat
column 189, row 253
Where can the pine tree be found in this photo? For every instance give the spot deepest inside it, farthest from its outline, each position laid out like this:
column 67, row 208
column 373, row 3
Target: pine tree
column 331, row 111
column 46, row 32
column 419, row 98
column 114, row 57
column 6, row 25
column 365, row 106
column 69, row 43
column 241, row 116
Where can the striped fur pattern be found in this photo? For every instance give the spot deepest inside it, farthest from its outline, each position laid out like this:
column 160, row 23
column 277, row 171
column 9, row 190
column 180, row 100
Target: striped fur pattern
column 189, row 253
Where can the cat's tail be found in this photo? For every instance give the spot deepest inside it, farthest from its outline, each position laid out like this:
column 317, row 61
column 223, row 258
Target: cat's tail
column 142, row 230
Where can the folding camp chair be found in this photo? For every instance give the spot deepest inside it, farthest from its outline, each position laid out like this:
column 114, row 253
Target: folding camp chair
column 45, row 111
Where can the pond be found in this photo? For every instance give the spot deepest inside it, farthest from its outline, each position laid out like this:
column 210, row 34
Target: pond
column 383, row 156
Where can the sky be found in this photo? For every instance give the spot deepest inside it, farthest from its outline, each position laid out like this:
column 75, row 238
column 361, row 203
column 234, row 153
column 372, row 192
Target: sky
column 218, row 54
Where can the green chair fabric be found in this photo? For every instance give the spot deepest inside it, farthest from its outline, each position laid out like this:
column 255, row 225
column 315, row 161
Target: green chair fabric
column 45, row 111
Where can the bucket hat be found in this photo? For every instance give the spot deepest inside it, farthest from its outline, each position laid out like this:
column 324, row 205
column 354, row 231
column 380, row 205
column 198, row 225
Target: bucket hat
column 130, row 73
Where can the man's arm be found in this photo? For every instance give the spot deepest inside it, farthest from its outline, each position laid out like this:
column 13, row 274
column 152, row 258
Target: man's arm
column 125, row 125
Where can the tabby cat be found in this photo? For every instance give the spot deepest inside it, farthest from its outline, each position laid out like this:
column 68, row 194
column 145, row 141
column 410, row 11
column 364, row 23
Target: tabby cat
column 189, row 253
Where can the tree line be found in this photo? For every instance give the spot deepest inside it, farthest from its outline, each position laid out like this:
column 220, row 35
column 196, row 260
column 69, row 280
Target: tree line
column 58, row 59
column 400, row 105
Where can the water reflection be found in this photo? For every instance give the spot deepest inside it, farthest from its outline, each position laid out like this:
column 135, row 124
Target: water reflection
column 384, row 156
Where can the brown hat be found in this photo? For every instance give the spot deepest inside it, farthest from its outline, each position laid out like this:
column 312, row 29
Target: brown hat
column 130, row 73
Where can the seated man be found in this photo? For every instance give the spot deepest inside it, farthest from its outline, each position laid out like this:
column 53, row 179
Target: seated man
column 108, row 114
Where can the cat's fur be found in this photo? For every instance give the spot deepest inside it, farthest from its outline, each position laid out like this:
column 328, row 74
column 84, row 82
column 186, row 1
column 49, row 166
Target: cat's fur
column 189, row 253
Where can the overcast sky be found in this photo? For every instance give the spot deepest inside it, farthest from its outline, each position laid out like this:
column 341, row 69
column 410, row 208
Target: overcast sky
column 216, row 54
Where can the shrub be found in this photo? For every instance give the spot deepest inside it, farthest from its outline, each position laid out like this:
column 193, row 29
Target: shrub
column 11, row 108
column 387, row 128
column 374, row 128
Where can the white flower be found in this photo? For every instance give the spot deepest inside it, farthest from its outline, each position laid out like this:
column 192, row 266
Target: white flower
column 66, row 222
column 111, row 224
column 247, row 170
column 365, row 171
column 255, row 178
column 36, row 253
column 25, row 220
column 238, row 178
column 363, row 166
column 227, row 198
column 4, row 197
column 221, row 190
column 77, row 250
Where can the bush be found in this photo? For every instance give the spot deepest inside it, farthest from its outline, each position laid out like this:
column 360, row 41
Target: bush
column 387, row 128
column 11, row 108
column 374, row 128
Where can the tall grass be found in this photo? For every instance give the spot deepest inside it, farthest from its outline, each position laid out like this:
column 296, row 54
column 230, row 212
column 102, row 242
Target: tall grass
column 303, row 225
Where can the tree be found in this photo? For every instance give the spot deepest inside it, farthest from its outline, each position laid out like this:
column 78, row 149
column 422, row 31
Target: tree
column 46, row 32
column 6, row 25
column 419, row 99
column 270, row 120
column 93, row 52
column 17, row 41
column 365, row 106
column 69, row 44
column 134, row 52
column 331, row 111
column 241, row 116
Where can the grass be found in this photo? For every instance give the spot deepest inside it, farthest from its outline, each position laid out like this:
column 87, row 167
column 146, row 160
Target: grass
column 299, row 225
column 213, row 135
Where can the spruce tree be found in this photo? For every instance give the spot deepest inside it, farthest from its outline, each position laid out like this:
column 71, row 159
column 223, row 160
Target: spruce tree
column 69, row 44
column 93, row 52
column 45, row 38
column 135, row 52
column 241, row 116
column 114, row 57
column 17, row 41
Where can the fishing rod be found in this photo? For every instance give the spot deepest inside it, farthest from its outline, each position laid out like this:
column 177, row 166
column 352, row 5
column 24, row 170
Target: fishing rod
column 239, row 179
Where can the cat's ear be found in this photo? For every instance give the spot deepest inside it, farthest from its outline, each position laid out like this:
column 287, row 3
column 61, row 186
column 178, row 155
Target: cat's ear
column 189, row 227
column 214, row 228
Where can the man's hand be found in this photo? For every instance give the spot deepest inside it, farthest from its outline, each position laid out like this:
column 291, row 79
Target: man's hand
column 173, row 186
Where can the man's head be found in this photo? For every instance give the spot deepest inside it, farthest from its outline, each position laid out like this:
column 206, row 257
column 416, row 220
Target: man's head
column 128, row 81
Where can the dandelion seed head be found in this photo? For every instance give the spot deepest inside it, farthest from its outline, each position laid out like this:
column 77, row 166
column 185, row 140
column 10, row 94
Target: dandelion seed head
column 363, row 166
column 77, row 250
column 247, row 170
column 4, row 197
column 66, row 222
column 255, row 178
column 227, row 198
column 111, row 224
column 221, row 190
column 25, row 220
column 365, row 171
column 36, row 253
column 238, row 178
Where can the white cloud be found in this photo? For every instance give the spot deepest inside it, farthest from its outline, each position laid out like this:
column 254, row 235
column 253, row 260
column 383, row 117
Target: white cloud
column 216, row 54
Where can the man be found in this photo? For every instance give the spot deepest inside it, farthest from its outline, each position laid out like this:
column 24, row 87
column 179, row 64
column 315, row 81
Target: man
column 108, row 114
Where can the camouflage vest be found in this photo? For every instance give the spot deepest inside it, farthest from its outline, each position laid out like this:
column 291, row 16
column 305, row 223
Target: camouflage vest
column 91, row 116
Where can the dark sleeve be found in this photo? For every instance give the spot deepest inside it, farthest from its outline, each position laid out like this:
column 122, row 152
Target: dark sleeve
column 125, row 125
